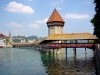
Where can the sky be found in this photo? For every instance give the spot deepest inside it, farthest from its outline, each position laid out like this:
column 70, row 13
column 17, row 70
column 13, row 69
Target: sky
column 29, row 17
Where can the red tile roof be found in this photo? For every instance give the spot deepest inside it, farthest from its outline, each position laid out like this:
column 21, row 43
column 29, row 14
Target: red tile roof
column 2, row 35
column 55, row 16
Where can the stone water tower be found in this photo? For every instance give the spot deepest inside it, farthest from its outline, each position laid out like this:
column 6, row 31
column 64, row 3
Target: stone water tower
column 55, row 26
column 55, row 23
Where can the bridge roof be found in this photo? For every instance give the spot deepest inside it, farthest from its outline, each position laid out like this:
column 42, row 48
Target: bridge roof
column 71, row 36
column 27, row 43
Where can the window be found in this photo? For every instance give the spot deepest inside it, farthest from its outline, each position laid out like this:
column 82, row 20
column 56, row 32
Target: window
column 4, row 41
column 82, row 41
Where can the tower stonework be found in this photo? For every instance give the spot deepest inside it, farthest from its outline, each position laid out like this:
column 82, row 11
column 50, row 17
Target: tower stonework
column 55, row 26
column 55, row 23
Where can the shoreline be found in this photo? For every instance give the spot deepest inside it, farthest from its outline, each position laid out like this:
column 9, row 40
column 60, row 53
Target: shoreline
column 7, row 46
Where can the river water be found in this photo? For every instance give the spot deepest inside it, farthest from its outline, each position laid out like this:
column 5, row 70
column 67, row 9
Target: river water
column 14, row 61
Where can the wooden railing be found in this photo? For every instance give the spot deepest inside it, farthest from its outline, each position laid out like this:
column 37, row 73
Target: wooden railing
column 70, row 45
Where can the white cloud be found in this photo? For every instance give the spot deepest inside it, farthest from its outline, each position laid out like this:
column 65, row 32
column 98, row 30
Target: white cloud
column 33, row 26
column 14, row 24
column 18, row 8
column 41, row 21
column 77, row 16
column 36, row 24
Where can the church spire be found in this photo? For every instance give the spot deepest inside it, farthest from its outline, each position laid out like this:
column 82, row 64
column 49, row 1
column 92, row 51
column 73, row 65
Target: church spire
column 9, row 34
column 10, row 39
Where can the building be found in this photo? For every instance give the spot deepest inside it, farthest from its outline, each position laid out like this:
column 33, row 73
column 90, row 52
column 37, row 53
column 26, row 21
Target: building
column 55, row 26
column 56, row 38
column 55, row 23
column 22, row 40
column 9, row 41
column 2, row 40
column 31, row 40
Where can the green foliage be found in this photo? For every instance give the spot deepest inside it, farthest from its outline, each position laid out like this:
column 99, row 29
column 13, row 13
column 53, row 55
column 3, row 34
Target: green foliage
column 96, row 19
column 91, row 41
column 17, row 40
column 33, row 37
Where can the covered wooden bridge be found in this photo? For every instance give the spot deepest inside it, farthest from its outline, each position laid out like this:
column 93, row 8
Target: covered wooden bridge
column 73, row 40
column 30, row 45
column 55, row 41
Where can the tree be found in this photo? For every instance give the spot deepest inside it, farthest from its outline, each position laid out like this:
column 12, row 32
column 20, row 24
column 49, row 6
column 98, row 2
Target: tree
column 96, row 19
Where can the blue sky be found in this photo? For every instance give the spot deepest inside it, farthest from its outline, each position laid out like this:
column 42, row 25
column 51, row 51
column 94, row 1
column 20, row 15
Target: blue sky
column 29, row 17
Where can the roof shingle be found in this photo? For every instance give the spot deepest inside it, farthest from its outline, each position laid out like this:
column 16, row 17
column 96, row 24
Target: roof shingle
column 72, row 36
column 55, row 16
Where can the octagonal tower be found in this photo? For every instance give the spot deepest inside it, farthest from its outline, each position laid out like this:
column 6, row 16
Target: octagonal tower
column 55, row 23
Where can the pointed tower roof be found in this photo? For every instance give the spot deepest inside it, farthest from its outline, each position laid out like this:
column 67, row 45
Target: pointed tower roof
column 55, row 16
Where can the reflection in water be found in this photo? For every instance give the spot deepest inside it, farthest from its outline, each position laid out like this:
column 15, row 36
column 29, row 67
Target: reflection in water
column 5, row 56
column 15, row 61
column 58, row 65
column 20, row 62
column 8, row 54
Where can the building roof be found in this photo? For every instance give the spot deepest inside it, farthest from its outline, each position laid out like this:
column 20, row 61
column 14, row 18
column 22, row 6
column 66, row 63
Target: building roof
column 72, row 36
column 2, row 35
column 55, row 16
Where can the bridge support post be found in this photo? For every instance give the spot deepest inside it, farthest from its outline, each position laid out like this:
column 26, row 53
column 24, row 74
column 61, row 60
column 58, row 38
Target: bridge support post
column 57, row 51
column 74, row 51
column 53, row 51
column 39, row 48
column 85, row 50
column 66, row 51
column 49, row 52
column 74, row 57
column 66, row 55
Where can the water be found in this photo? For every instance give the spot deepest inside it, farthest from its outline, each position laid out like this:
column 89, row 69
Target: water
column 15, row 61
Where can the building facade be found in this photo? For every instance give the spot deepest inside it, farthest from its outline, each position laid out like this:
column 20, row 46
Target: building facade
column 2, row 40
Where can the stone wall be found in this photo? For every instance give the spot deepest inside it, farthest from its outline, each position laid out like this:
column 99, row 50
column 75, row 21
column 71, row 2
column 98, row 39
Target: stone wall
column 55, row 30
